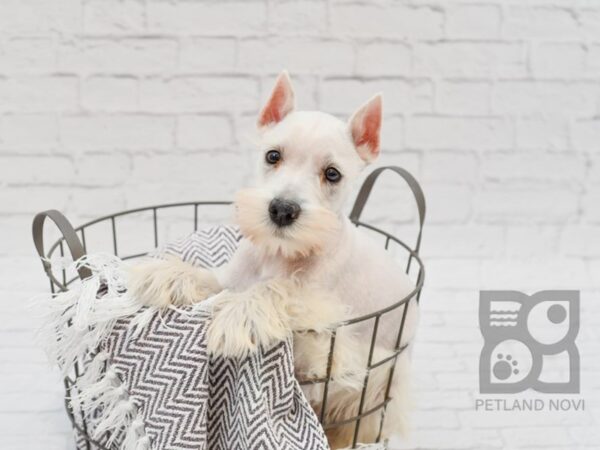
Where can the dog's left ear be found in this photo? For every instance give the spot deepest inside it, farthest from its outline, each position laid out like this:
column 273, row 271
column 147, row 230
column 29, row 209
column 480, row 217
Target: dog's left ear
column 365, row 126
column 281, row 102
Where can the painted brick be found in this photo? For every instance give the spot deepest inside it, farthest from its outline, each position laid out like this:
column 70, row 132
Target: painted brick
column 542, row 133
column 199, row 173
column 580, row 241
column 207, row 18
column 204, row 132
column 116, row 168
column 537, row 436
column 110, row 132
column 592, row 63
column 39, row 16
column 128, row 55
column 466, row 59
column 433, row 419
column 399, row 21
column 520, row 419
column 100, row 93
column 459, row 133
column 460, row 97
column 448, row 203
column 306, row 17
column 16, row 133
column 532, row 205
column 207, row 54
column 299, row 55
column 46, row 423
column 113, row 16
column 534, row 167
column 589, row 22
column 558, row 60
column 198, row 94
column 451, row 167
column 17, row 227
column 586, row 135
column 90, row 202
column 473, row 21
column 540, row 23
column 464, row 241
column 529, row 242
column 590, row 205
column 379, row 58
column 45, row 93
column 392, row 134
column 27, row 170
column 346, row 95
column 527, row 97
column 31, row 200
column 28, row 54
column 594, row 170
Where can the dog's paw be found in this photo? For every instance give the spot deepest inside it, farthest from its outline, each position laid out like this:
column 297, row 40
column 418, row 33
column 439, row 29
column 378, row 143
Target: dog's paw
column 231, row 332
column 170, row 281
column 243, row 322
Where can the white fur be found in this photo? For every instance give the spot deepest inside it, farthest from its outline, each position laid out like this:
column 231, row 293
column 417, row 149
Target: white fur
column 173, row 282
column 311, row 235
column 310, row 275
column 267, row 313
column 77, row 321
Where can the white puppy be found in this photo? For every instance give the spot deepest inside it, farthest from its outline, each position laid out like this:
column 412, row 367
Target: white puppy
column 304, row 266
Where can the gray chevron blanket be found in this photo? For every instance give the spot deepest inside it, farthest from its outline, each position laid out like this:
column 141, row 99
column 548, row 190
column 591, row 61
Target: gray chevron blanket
column 142, row 379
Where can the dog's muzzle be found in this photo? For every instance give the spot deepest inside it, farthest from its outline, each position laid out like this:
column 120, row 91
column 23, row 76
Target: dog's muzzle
column 283, row 212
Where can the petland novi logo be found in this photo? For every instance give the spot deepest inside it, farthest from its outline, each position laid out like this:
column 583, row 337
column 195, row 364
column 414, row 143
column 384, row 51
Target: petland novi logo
column 529, row 343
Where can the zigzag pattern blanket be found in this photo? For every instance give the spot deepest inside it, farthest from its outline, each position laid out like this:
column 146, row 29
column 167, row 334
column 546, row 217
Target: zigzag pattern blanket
column 149, row 383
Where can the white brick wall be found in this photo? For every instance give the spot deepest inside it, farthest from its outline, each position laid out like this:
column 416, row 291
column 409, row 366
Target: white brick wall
column 493, row 104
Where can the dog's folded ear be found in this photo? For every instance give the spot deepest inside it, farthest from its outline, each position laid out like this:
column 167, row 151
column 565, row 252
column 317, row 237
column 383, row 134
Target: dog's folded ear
column 365, row 126
column 281, row 102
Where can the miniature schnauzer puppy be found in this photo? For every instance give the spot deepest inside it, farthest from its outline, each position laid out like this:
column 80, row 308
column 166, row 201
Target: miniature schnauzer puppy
column 303, row 267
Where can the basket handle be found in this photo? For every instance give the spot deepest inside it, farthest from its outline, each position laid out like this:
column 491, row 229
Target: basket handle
column 69, row 236
column 413, row 184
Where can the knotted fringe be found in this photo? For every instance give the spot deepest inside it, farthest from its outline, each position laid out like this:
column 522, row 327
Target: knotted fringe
column 78, row 321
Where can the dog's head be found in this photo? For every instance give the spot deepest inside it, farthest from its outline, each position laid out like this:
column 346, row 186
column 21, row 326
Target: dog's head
column 308, row 161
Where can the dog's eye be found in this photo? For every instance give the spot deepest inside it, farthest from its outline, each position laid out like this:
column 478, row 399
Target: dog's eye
column 273, row 156
column 333, row 175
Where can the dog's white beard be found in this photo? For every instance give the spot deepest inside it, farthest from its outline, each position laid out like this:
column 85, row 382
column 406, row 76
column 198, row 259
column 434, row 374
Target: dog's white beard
column 310, row 233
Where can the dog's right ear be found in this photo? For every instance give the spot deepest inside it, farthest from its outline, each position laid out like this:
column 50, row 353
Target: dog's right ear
column 365, row 127
column 281, row 102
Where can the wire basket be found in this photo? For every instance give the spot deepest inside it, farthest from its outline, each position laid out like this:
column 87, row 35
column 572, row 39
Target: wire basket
column 76, row 241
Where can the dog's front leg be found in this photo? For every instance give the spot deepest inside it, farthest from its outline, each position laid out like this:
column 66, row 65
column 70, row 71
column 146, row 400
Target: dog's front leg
column 268, row 312
column 244, row 321
column 170, row 281
column 161, row 282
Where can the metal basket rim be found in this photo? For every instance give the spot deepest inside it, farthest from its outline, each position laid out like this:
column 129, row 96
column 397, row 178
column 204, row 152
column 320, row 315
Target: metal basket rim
column 110, row 217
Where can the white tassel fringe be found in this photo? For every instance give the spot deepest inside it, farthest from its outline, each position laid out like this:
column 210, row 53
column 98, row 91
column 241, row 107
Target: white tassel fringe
column 76, row 322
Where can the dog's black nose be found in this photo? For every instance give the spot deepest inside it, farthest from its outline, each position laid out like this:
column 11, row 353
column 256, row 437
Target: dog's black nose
column 283, row 212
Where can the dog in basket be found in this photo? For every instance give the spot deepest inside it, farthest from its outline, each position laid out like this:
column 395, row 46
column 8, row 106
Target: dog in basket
column 303, row 267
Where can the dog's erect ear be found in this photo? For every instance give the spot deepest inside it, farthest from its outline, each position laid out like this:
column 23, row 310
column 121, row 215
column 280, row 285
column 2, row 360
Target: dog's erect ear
column 281, row 102
column 365, row 126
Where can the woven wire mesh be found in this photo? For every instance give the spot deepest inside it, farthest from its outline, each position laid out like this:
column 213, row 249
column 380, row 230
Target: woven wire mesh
column 62, row 281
